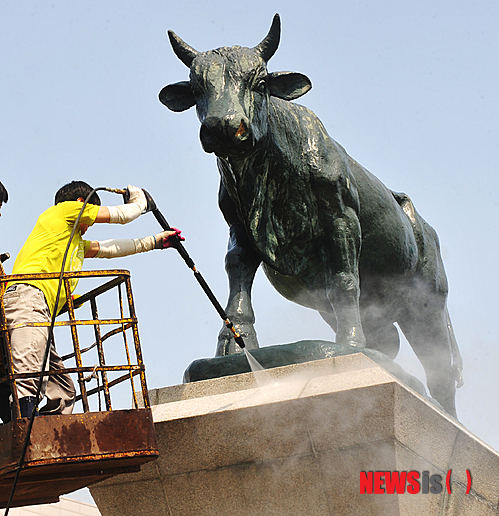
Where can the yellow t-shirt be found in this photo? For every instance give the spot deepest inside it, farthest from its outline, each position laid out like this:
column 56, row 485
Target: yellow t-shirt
column 44, row 249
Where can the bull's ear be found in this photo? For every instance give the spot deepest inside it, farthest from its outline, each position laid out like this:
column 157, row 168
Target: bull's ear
column 177, row 97
column 288, row 85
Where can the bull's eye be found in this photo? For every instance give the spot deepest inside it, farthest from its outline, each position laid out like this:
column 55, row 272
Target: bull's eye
column 260, row 86
column 196, row 91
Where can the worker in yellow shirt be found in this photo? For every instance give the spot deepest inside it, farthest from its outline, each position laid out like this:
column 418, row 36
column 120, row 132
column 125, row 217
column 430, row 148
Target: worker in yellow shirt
column 34, row 300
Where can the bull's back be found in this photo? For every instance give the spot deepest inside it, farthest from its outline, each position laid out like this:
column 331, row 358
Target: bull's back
column 392, row 243
column 389, row 244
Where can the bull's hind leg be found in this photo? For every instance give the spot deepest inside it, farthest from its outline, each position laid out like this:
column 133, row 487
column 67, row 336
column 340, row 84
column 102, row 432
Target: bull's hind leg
column 382, row 336
column 428, row 336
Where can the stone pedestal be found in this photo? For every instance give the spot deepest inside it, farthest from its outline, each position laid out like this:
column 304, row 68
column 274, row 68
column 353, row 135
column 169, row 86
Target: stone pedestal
column 297, row 444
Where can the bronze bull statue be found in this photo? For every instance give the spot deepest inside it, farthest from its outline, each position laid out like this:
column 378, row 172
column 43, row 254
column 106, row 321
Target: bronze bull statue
column 329, row 235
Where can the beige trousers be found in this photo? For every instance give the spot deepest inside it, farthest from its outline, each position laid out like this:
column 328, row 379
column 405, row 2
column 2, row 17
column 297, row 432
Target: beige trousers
column 26, row 304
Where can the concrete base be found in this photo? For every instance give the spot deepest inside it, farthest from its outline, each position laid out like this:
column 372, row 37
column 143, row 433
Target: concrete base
column 297, row 446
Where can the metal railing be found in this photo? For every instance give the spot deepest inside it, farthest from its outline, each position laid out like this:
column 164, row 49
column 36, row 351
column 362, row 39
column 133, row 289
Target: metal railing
column 100, row 370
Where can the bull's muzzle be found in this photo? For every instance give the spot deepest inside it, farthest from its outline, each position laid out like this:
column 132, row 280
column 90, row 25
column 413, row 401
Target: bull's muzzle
column 226, row 135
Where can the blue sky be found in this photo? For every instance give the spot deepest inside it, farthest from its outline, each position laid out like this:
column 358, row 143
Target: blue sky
column 408, row 88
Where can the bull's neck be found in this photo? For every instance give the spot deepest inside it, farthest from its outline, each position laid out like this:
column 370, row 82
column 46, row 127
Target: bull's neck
column 277, row 150
column 269, row 186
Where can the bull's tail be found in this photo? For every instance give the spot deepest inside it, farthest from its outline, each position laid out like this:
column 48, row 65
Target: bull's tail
column 457, row 360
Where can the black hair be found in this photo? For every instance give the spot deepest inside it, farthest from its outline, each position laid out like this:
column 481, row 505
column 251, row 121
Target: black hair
column 74, row 190
column 4, row 195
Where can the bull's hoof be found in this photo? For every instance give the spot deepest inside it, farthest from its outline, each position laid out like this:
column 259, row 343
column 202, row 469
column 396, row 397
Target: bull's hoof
column 227, row 345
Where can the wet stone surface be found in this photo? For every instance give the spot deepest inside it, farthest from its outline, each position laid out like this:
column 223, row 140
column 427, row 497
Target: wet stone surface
column 293, row 353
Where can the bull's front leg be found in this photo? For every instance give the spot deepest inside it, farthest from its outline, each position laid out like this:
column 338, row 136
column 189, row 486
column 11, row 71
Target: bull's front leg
column 343, row 243
column 241, row 264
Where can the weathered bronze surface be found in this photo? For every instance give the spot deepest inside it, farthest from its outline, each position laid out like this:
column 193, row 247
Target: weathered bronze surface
column 329, row 234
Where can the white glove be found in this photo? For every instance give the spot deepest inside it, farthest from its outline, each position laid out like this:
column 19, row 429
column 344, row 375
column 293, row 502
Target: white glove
column 127, row 212
column 137, row 196
column 125, row 247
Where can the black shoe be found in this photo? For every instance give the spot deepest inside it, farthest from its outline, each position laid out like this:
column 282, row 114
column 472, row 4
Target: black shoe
column 5, row 412
column 27, row 405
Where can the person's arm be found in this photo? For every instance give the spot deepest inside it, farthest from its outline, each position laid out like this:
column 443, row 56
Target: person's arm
column 127, row 246
column 124, row 213
column 103, row 215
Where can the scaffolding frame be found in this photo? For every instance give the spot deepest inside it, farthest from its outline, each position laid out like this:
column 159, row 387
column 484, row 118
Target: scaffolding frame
column 115, row 279
column 70, row 451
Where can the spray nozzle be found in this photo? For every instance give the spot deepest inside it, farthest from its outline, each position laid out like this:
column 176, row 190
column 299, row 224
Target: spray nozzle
column 115, row 190
column 151, row 205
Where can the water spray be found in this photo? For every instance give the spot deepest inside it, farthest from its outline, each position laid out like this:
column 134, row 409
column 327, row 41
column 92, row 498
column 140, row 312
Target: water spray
column 177, row 244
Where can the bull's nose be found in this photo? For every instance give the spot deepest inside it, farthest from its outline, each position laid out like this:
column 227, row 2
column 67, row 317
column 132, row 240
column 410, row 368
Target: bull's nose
column 229, row 127
column 222, row 134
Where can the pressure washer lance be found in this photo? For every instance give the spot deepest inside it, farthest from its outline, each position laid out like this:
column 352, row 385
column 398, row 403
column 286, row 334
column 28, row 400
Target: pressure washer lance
column 177, row 244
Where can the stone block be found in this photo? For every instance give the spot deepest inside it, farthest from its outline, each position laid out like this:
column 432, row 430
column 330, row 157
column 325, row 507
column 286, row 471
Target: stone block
column 293, row 441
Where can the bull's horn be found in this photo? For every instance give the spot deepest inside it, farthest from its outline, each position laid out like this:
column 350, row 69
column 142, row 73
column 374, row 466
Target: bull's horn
column 269, row 45
column 183, row 51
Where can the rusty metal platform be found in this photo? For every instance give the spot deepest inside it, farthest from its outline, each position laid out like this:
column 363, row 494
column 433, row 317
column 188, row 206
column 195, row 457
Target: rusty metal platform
column 68, row 452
